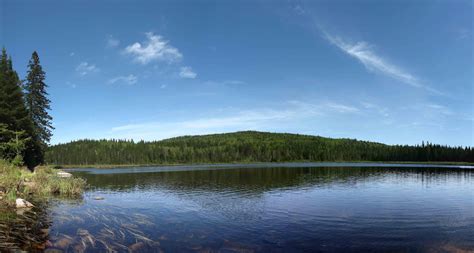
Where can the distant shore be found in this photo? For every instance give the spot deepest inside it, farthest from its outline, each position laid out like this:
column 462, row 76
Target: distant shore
column 110, row 166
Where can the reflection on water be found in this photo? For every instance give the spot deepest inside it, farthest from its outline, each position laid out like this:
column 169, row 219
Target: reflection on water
column 267, row 209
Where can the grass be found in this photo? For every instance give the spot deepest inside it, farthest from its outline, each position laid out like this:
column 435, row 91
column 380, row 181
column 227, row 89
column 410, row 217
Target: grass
column 19, row 182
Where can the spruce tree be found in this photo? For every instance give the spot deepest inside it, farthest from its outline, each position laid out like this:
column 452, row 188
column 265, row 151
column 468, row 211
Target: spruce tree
column 13, row 113
column 38, row 106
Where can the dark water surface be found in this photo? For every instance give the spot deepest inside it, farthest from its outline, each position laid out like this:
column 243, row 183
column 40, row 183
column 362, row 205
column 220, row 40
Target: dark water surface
column 268, row 208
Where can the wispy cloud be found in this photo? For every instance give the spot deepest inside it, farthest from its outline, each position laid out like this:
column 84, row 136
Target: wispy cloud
column 432, row 110
column 187, row 72
column 225, row 82
column 155, row 48
column 112, row 42
column 257, row 119
column 130, row 79
column 85, row 68
column 248, row 118
column 364, row 52
column 323, row 108
column 380, row 109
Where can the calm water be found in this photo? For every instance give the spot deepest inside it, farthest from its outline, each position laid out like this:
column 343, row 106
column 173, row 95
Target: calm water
column 265, row 208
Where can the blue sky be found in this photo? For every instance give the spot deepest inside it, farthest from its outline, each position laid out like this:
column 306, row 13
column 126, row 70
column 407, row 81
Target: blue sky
column 397, row 72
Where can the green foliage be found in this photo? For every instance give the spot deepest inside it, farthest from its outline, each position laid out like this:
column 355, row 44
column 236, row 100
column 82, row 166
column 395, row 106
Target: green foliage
column 12, row 144
column 10, row 179
column 14, row 119
column 19, row 182
column 38, row 106
column 17, row 161
column 247, row 146
column 52, row 184
column 13, row 112
column 25, row 125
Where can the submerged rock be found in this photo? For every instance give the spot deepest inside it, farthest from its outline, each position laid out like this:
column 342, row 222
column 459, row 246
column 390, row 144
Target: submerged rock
column 21, row 203
column 136, row 247
column 53, row 251
column 98, row 198
column 63, row 243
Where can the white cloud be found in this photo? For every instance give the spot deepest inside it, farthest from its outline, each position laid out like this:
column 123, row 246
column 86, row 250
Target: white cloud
column 155, row 48
column 241, row 119
column 187, row 72
column 163, row 86
column 231, row 120
column 436, row 109
column 84, row 68
column 363, row 52
column 225, row 82
column 112, row 42
column 324, row 108
column 71, row 54
column 341, row 108
column 130, row 79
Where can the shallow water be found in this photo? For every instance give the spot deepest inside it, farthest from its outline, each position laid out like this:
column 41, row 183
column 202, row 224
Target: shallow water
column 268, row 208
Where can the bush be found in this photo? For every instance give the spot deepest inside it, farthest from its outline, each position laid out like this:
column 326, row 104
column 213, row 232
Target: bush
column 17, row 161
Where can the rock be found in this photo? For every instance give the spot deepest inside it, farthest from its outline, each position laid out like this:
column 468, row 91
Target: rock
column 136, row 247
column 64, row 174
column 98, row 198
column 21, row 203
column 63, row 243
column 82, row 232
column 79, row 248
column 53, row 251
column 48, row 244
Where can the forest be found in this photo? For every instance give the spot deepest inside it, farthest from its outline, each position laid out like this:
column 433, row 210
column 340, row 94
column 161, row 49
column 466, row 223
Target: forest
column 247, row 146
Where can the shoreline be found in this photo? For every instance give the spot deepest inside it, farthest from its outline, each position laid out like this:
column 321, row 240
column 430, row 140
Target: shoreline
column 18, row 185
column 117, row 166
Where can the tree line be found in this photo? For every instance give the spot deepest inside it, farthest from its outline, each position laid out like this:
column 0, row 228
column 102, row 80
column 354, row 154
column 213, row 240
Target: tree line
column 25, row 124
column 249, row 146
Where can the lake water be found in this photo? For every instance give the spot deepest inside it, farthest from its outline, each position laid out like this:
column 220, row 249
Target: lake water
column 306, row 207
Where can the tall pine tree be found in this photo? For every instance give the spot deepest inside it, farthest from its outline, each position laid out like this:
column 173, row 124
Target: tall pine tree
column 38, row 106
column 13, row 113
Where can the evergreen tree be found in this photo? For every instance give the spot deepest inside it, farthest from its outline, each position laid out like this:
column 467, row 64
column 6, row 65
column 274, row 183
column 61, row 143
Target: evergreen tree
column 12, row 145
column 13, row 112
column 38, row 106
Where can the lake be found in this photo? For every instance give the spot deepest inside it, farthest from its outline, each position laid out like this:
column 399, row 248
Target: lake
column 297, row 207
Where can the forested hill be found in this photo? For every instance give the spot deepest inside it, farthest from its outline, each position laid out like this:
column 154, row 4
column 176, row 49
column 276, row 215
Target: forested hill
column 249, row 146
